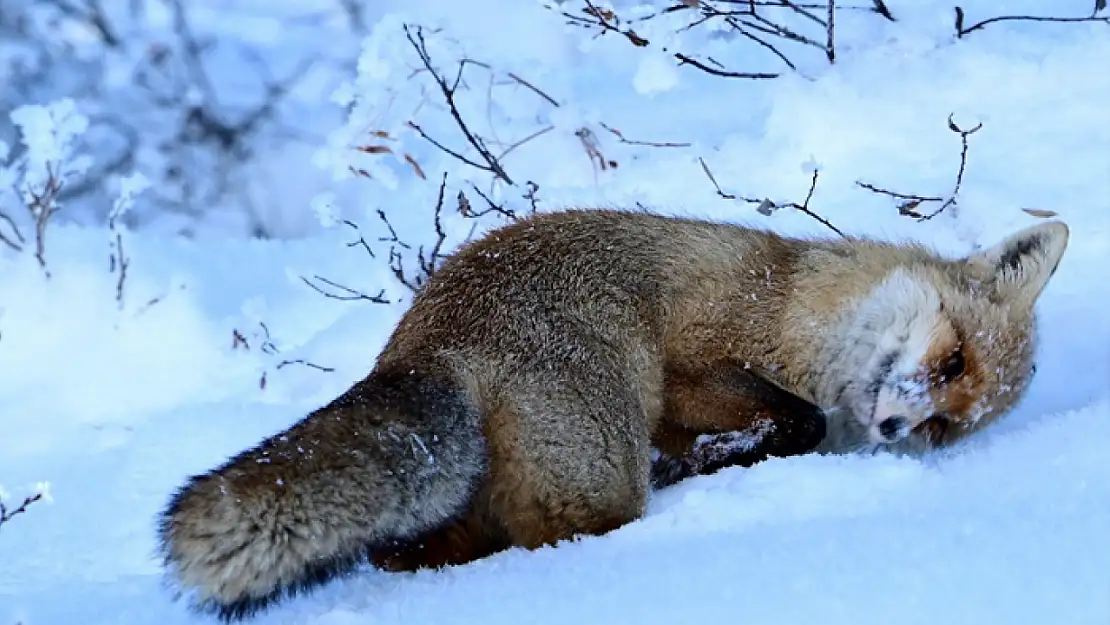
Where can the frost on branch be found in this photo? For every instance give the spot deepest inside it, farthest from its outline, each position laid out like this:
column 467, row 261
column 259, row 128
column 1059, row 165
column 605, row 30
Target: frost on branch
column 130, row 186
column 33, row 175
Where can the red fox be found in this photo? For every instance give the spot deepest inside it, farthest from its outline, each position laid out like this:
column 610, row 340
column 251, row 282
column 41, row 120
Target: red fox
column 520, row 398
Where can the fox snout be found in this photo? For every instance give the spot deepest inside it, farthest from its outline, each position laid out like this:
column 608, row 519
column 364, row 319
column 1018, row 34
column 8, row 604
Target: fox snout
column 901, row 406
column 891, row 429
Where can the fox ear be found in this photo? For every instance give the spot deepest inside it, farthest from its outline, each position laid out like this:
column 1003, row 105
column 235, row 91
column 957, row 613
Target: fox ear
column 1020, row 266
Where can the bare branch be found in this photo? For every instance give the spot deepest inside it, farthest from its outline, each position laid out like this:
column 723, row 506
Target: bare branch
column 7, row 515
column 301, row 361
column 120, row 259
column 5, row 239
column 961, row 30
column 428, row 262
column 431, row 263
column 767, row 207
column 686, row 60
column 392, row 238
column 535, row 89
column 911, row 201
column 344, row 293
column 492, row 207
column 267, row 346
column 517, row 144
column 830, row 48
column 361, row 242
column 882, row 9
column 490, row 162
column 610, row 22
column 653, row 144
column 42, row 206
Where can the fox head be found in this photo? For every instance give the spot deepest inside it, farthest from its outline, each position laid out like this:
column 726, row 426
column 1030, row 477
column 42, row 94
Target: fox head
column 940, row 348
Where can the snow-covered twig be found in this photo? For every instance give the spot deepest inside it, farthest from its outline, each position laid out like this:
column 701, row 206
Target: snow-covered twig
column 130, row 186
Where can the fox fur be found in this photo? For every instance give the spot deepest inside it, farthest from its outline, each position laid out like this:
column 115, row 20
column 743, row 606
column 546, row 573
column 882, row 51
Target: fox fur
column 520, row 397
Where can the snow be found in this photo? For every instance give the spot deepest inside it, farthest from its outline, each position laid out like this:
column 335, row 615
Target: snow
column 110, row 404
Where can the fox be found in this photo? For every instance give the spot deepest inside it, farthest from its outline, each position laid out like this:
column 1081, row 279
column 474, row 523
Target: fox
column 553, row 370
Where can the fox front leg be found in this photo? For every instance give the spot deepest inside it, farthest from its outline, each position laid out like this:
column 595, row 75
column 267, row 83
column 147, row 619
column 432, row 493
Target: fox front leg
column 722, row 416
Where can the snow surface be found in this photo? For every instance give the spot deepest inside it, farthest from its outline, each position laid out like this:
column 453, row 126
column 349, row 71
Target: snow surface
column 116, row 407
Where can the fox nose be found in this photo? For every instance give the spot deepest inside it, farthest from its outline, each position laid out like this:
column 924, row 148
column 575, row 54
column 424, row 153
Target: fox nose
column 894, row 428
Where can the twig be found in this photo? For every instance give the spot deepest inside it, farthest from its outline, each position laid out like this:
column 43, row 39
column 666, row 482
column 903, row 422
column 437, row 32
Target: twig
column 392, row 238
column 492, row 207
column 345, row 293
column 535, row 89
column 301, row 361
column 766, row 206
column 15, row 230
column 830, row 49
column 123, row 262
column 961, row 30
column 490, row 162
column 268, row 347
column 361, row 239
column 431, row 263
column 686, row 60
column 42, row 207
column 882, row 9
column 768, row 46
column 6, row 514
column 609, row 22
column 653, row 144
column 530, row 194
column 517, row 144
column 909, row 207
column 428, row 263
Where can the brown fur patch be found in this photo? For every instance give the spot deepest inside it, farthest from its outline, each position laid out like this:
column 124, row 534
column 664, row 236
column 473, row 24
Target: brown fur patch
column 954, row 398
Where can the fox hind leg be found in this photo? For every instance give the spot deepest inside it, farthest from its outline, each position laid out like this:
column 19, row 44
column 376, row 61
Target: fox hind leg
column 569, row 461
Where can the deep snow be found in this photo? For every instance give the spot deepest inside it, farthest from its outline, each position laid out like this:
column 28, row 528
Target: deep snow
column 114, row 409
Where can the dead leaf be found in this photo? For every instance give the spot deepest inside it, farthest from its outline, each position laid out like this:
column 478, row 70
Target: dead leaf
column 375, row 149
column 464, row 204
column 907, row 209
column 1043, row 213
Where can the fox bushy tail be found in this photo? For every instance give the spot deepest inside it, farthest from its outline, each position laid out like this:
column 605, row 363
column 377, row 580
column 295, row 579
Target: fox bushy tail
column 396, row 455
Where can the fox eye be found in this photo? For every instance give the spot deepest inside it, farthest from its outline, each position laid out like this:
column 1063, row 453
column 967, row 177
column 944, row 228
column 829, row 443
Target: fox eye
column 953, row 367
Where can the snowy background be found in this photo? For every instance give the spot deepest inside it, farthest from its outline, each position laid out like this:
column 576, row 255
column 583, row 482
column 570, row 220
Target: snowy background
column 216, row 147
